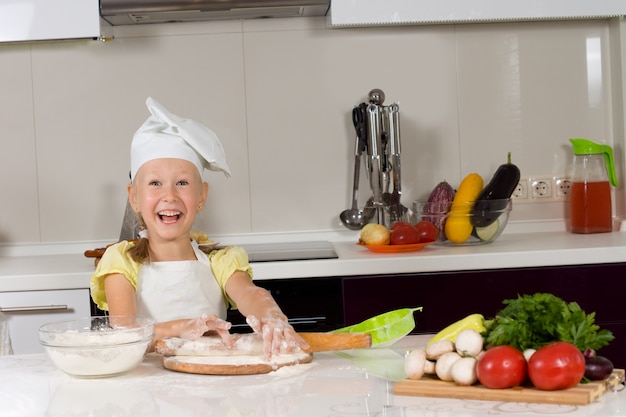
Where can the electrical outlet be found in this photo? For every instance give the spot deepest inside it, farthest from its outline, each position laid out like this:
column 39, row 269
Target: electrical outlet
column 541, row 188
column 521, row 191
column 562, row 187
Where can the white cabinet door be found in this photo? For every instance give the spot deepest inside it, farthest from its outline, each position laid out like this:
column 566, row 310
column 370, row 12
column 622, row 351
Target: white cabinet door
column 36, row 20
column 27, row 310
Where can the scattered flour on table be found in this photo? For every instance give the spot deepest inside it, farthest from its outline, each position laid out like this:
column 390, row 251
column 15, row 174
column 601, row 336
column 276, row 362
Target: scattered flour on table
column 287, row 371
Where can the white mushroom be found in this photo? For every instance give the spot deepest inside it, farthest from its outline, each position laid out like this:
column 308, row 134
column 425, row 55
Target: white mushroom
column 469, row 343
column 528, row 353
column 429, row 367
column 435, row 350
column 415, row 363
column 464, row 371
column 443, row 367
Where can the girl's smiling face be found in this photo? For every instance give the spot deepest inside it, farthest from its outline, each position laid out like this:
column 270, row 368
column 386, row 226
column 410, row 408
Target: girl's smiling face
column 168, row 193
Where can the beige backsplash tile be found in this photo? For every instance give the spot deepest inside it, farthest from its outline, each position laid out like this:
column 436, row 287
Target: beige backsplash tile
column 279, row 93
column 19, row 201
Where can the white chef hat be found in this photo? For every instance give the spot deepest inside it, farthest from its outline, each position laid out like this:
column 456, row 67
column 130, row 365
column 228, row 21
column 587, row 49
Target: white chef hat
column 165, row 135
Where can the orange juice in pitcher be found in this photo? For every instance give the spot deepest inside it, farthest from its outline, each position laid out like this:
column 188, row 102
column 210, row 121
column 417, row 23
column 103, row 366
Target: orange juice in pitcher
column 590, row 195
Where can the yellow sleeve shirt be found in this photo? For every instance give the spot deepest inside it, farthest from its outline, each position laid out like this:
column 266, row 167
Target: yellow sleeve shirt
column 116, row 260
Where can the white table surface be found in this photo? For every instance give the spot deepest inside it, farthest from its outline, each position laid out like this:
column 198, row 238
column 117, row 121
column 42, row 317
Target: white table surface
column 330, row 386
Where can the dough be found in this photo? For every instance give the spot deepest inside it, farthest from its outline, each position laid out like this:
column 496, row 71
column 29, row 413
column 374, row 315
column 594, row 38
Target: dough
column 208, row 355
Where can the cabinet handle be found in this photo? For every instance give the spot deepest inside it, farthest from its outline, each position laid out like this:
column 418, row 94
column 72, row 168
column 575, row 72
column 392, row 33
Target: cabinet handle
column 307, row 320
column 29, row 309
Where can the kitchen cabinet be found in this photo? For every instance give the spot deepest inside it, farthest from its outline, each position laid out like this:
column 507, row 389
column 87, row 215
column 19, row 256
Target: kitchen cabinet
column 348, row 13
column 27, row 310
column 447, row 297
column 41, row 20
column 312, row 304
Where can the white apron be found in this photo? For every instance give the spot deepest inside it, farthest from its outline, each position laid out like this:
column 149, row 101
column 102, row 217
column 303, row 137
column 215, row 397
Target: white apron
column 179, row 289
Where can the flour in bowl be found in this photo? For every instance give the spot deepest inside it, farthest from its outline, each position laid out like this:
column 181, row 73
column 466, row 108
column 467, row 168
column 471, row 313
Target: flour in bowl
column 95, row 354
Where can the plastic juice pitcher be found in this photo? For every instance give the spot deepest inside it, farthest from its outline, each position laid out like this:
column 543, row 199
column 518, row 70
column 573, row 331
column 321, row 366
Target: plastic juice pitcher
column 590, row 196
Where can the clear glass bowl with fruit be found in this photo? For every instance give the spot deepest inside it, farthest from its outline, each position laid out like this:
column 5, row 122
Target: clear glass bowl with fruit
column 475, row 223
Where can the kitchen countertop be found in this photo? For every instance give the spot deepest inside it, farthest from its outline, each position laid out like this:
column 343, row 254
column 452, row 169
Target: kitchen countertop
column 511, row 250
column 360, row 384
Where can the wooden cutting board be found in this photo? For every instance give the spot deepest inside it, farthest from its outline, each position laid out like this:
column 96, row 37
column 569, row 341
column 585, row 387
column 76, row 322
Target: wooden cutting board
column 581, row 394
column 209, row 356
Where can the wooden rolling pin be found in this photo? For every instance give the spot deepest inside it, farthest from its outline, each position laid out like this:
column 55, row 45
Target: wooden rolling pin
column 321, row 342
column 252, row 344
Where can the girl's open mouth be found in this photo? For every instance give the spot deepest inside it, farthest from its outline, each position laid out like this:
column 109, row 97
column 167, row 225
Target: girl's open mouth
column 169, row 216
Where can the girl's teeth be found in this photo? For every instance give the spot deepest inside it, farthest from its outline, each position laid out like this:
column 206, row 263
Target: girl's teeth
column 169, row 216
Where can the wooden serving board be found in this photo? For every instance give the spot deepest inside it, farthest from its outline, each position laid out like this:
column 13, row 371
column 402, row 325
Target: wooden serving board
column 582, row 394
column 232, row 365
column 209, row 356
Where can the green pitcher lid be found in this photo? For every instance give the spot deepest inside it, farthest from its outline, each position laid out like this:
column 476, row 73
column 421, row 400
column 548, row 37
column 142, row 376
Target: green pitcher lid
column 587, row 147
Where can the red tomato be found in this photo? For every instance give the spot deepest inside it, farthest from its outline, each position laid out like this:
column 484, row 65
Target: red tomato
column 559, row 365
column 403, row 233
column 501, row 367
column 399, row 225
column 427, row 231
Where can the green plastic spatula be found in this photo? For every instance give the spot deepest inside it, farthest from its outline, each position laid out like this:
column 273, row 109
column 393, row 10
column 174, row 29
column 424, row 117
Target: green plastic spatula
column 387, row 328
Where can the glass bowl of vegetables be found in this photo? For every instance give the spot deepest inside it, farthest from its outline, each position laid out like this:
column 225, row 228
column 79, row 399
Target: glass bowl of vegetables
column 474, row 223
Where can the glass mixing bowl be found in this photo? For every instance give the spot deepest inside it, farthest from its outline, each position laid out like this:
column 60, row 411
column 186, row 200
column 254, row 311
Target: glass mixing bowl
column 94, row 347
column 487, row 223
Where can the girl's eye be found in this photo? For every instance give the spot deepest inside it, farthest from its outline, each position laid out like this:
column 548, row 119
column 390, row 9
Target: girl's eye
column 154, row 183
column 182, row 182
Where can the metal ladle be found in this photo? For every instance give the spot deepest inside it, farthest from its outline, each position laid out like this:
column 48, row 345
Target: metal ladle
column 355, row 218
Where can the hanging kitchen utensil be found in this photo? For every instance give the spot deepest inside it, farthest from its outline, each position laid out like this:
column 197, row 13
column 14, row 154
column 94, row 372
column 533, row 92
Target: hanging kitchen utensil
column 374, row 149
column 354, row 218
column 398, row 212
column 368, row 212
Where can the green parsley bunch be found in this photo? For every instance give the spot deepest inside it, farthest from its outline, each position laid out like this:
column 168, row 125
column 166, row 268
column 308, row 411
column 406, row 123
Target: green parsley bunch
column 532, row 321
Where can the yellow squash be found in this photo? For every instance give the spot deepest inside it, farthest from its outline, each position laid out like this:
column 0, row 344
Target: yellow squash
column 458, row 226
column 473, row 321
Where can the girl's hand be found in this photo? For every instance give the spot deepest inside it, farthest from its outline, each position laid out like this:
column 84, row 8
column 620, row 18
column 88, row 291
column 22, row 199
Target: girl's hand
column 278, row 335
column 194, row 329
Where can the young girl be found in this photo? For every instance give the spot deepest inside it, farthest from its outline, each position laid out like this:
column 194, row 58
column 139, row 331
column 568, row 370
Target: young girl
column 166, row 276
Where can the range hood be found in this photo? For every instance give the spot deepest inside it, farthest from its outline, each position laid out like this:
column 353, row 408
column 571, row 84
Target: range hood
column 132, row 12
